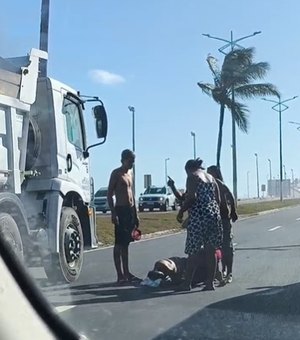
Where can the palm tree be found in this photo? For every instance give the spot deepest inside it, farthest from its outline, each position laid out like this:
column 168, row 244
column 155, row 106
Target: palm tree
column 235, row 77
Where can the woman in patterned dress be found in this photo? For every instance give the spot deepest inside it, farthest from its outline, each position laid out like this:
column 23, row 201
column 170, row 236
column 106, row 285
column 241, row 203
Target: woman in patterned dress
column 205, row 225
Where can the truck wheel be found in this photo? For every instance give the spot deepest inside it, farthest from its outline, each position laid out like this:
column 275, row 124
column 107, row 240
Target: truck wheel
column 9, row 232
column 174, row 207
column 66, row 266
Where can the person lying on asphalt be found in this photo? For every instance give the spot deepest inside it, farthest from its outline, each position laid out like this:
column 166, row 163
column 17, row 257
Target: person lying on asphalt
column 170, row 272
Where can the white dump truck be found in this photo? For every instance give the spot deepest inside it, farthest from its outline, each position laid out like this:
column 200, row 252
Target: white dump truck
column 45, row 185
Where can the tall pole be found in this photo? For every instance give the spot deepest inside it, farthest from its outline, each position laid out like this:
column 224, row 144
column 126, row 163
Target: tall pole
column 132, row 110
column 166, row 170
column 248, row 192
column 44, row 28
column 257, row 175
column 284, row 172
column 232, row 44
column 292, row 171
column 279, row 107
column 194, row 143
column 270, row 168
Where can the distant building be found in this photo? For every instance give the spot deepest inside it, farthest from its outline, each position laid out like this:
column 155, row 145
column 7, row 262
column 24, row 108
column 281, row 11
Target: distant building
column 274, row 187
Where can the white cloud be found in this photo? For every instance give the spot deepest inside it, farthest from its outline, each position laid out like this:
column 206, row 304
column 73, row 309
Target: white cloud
column 105, row 77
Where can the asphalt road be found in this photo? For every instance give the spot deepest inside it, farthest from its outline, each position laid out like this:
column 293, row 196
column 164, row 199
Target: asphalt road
column 262, row 302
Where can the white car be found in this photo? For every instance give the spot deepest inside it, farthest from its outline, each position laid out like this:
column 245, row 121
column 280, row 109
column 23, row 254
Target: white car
column 100, row 200
column 157, row 197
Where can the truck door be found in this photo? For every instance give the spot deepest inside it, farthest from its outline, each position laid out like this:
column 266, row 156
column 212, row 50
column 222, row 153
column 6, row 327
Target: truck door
column 77, row 165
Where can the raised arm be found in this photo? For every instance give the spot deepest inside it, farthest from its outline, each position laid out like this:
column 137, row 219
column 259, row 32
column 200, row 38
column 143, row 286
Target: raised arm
column 177, row 193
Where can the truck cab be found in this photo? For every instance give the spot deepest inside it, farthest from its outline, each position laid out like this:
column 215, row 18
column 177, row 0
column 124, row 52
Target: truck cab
column 46, row 187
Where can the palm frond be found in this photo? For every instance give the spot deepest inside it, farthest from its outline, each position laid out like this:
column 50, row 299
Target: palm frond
column 238, row 68
column 256, row 90
column 206, row 88
column 239, row 112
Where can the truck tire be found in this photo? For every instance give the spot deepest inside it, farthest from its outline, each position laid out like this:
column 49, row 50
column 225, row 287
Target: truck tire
column 67, row 265
column 9, row 232
column 174, row 206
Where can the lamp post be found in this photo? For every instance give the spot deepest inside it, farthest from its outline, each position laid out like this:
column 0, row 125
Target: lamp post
column 166, row 169
column 292, row 171
column 194, row 143
column 232, row 44
column 132, row 110
column 44, row 28
column 257, row 174
column 284, row 171
column 279, row 107
column 270, row 168
column 248, row 172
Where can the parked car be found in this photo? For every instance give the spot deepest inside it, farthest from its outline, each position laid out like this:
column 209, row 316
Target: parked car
column 100, row 200
column 157, row 197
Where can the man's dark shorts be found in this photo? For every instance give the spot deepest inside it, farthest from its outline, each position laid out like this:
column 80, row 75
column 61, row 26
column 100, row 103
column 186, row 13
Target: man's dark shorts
column 127, row 218
column 227, row 234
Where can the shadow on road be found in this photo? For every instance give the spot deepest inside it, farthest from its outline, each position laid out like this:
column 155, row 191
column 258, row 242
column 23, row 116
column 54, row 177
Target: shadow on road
column 105, row 293
column 269, row 313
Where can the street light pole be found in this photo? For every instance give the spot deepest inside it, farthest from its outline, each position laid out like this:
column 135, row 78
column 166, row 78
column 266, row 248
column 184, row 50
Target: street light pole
column 270, row 168
column 279, row 107
column 257, row 175
column 293, row 186
column 44, row 28
column 194, row 143
column 248, row 184
column 166, row 170
column 284, row 171
column 132, row 110
column 232, row 44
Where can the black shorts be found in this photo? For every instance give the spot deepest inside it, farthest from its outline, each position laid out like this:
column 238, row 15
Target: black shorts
column 127, row 219
column 227, row 234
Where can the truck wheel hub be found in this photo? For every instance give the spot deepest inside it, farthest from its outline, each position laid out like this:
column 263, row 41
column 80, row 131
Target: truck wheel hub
column 72, row 243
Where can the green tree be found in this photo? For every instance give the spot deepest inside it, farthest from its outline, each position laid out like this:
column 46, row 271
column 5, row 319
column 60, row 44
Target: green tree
column 236, row 79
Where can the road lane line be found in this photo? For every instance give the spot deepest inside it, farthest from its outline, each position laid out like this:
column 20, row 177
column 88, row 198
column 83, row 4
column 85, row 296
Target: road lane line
column 275, row 228
column 298, row 219
column 61, row 309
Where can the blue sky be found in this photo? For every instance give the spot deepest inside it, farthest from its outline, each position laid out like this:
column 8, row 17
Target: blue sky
column 150, row 55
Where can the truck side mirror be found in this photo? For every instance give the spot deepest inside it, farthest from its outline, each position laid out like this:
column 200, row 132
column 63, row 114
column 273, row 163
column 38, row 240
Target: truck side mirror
column 101, row 121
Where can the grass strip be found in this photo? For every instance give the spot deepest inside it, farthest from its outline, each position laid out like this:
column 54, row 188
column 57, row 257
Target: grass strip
column 161, row 221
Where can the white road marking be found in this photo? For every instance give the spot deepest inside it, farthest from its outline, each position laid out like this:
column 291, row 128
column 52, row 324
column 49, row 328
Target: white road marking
column 298, row 219
column 61, row 309
column 275, row 228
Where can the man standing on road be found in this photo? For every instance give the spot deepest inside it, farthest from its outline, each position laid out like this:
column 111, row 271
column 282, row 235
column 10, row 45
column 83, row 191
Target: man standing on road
column 123, row 214
column 228, row 214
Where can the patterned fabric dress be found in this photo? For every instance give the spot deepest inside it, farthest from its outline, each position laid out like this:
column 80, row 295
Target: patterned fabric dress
column 205, row 224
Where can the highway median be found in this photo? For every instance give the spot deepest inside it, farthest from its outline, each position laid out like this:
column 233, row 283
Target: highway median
column 155, row 222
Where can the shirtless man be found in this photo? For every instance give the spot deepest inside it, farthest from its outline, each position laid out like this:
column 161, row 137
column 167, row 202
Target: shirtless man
column 123, row 214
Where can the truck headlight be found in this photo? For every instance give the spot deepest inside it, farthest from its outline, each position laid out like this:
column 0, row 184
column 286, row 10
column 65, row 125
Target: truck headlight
column 161, row 198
